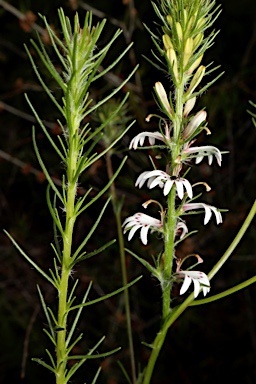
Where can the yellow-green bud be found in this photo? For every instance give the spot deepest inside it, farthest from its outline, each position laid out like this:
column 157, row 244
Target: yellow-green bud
column 185, row 14
column 188, row 50
column 197, row 40
column 196, row 79
column 179, row 31
column 167, row 41
column 162, row 97
column 191, row 22
column 194, row 65
column 201, row 22
column 171, row 55
column 169, row 20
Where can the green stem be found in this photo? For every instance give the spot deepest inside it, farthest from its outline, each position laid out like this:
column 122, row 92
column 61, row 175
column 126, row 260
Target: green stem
column 168, row 254
column 234, row 243
column 225, row 293
column 169, row 240
column 72, row 153
column 156, row 348
column 63, row 288
column 117, row 212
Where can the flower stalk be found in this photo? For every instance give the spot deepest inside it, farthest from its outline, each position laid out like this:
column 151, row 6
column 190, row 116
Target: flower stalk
column 182, row 44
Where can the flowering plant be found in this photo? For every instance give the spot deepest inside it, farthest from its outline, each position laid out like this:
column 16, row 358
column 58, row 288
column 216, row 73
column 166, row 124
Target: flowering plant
column 184, row 38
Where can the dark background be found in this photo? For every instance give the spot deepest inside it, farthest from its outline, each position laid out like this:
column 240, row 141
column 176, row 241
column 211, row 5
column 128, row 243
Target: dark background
column 213, row 343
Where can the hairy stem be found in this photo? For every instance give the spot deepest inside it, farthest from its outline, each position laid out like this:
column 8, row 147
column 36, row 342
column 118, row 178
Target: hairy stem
column 169, row 240
column 63, row 288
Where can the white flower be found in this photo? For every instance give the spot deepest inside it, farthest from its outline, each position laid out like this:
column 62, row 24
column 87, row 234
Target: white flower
column 140, row 138
column 200, row 280
column 194, row 123
column 163, row 180
column 145, row 222
column 209, row 209
column 206, row 150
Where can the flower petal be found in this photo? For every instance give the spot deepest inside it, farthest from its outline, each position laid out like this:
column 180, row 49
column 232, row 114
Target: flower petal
column 188, row 187
column 168, row 186
column 196, row 287
column 208, row 214
column 140, row 138
column 185, row 285
column 133, row 230
column 141, row 179
column 144, row 234
column 180, row 189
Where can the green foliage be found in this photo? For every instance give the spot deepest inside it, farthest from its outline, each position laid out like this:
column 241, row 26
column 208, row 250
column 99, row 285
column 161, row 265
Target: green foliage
column 80, row 63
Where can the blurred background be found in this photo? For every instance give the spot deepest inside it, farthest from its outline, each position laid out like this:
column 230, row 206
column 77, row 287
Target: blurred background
column 216, row 342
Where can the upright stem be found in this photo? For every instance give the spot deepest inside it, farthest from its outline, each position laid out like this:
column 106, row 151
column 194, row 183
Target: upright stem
column 63, row 288
column 72, row 116
column 168, row 254
column 170, row 227
column 117, row 213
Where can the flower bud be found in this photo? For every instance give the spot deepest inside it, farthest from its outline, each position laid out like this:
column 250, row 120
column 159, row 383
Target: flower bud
column 188, row 50
column 201, row 22
column 171, row 55
column 179, row 31
column 162, row 97
column 194, row 124
column 197, row 40
column 196, row 79
column 169, row 20
column 191, row 22
column 185, row 15
column 194, row 65
column 189, row 106
column 167, row 41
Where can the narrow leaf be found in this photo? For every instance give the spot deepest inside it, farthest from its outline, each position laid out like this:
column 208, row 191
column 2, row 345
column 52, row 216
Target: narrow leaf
column 51, row 358
column 96, row 376
column 46, row 313
column 85, row 256
column 41, row 362
column 103, row 189
column 74, row 323
column 30, row 260
column 48, row 177
column 124, row 372
column 98, row 355
column 146, row 264
column 93, row 228
column 50, row 337
column 75, row 367
column 89, row 111
column 107, row 296
column 44, row 129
